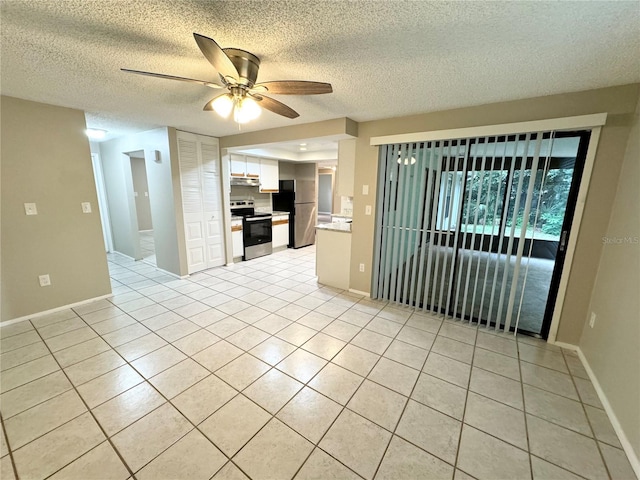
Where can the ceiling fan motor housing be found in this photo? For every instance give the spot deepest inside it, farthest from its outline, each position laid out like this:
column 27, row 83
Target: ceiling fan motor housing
column 246, row 63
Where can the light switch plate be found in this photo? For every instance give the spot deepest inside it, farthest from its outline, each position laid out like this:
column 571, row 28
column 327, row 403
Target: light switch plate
column 44, row 280
column 30, row 209
column 367, row 210
column 365, row 189
column 86, row 207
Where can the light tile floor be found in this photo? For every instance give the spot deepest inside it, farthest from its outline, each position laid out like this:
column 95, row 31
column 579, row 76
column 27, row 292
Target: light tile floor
column 257, row 371
column 148, row 246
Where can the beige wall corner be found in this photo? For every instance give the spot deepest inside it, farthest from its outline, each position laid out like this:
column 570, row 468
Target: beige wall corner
column 618, row 102
column 46, row 160
column 612, row 346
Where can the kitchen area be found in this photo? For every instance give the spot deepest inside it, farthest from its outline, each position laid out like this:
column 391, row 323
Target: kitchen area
column 279, row 202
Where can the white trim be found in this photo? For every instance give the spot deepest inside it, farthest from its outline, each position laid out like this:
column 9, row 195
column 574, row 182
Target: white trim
column 575, row 228
column 360, row 292
column 626, row 445
column 181, row 277
column 566, row 346
column 54, row 310
column 564, row 123
column 103, row 204
column 125, row 255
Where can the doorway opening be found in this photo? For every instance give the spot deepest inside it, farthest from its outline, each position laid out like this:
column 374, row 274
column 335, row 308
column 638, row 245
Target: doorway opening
column 477, row 228
column 144, row 221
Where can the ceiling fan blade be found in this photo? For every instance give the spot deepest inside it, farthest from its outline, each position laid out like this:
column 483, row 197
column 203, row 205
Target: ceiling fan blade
column 295, row 87
column 212, row 51
column 275, row 106
column 171, row 77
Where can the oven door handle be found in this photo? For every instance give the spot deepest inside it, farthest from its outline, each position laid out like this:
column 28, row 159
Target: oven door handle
column 257, row 219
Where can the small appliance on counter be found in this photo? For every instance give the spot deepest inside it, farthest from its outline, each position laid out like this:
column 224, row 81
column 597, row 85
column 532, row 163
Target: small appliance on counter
column 256, row 229
column 298, row 197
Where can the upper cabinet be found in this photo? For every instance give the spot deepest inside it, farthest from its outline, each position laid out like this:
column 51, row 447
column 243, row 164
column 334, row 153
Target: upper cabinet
column 247, row 166
column 269, row 175
column 253, row 167
column 237, row 165
column 346, row 167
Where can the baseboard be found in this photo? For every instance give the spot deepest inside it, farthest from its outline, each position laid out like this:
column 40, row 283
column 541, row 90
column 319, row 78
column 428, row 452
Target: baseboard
column 124, row 255
column 626, row 445
column 53, row 310
column 359, row 292
column 566, row 346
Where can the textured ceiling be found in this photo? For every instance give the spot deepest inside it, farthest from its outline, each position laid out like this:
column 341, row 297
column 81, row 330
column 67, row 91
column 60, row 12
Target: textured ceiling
column 384, row 58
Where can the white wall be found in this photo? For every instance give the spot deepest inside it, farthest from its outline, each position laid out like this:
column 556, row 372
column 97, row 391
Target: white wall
column 164, row 202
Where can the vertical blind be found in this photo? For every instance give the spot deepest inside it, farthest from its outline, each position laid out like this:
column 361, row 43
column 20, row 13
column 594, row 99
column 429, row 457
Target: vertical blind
column 455, row 224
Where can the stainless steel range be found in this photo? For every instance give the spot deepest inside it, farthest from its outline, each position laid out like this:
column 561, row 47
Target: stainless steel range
column 256, row 229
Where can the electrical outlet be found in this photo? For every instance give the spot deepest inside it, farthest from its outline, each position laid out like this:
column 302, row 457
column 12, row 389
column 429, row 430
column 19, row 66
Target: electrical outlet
column 592, row 320
column 362, row 267
column 30, row 209
column 367, row 210
column 44, row 280
column 86, row 207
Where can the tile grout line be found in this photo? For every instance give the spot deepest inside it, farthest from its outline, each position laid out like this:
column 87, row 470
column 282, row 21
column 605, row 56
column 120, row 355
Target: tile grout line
column 584, row 410
column 274, row 416
column 404, row 408
column 108, row 439
column 9, row 450
column 466, row 401
column 524, row 409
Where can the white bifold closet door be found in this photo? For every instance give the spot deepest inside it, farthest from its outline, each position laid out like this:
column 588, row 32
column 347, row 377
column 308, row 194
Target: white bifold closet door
column 201, row 187
column 451, row 215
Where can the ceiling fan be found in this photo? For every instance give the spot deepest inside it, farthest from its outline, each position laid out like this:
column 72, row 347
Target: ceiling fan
column 238, row 70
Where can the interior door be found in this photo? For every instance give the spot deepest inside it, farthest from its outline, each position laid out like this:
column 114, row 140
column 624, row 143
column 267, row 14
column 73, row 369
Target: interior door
column 192, row 203
column 212, row 198
column 201, row 200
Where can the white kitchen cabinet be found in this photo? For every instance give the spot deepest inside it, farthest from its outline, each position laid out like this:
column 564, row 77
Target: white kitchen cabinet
column 280, row 231
column 253, row 167
column 269, row 176
column 237, row 165
column 346, row 167
column 236, row 238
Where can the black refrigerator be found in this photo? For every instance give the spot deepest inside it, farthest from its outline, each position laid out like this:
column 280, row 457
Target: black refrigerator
column 298, row 197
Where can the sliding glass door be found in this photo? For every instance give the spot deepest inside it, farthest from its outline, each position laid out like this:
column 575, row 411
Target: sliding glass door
column 476, row 228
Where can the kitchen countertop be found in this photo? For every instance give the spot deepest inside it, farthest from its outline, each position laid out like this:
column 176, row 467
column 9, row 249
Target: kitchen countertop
column 335, row 227
column 279, row 213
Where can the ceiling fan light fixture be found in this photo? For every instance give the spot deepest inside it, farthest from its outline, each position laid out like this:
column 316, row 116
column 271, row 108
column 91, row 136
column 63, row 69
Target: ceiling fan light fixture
column 95, row 133
column 223, row 105
column 246, row 109
column 407, row 161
